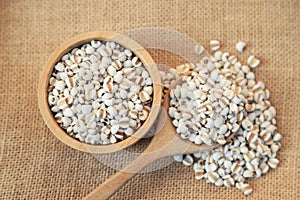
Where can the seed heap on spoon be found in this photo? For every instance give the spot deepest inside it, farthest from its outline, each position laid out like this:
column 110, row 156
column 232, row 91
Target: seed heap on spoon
column 100, row 93
column 253, row 150
column 205, row 108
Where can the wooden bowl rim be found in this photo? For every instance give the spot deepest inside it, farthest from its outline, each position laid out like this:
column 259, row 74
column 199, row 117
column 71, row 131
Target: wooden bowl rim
column 77, row 41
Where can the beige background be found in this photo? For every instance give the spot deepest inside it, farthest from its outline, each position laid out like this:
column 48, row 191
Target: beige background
column 35, row 165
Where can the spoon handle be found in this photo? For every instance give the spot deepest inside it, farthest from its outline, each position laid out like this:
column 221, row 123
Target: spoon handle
column 164, row 143
column 111, row 185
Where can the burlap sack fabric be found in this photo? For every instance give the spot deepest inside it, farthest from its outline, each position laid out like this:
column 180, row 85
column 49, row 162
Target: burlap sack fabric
column 35, row 165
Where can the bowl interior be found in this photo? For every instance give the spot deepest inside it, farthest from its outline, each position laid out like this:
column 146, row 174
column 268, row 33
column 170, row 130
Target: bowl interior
column 77, row 41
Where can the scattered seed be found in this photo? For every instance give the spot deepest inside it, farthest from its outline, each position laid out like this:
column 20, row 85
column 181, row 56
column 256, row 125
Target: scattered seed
column 198, row 49
column 214, row 45
column 253, row 61
column 240, row 46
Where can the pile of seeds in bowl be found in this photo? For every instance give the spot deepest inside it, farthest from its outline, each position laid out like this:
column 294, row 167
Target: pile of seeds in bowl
column 252, row 152
column 100, row 93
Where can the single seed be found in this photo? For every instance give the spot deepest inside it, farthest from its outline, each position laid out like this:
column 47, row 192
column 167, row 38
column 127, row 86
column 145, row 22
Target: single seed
column 188, row 160
column 253, row 61
column 89, row 50
column 214, row 45
column 198, row 49
column 240, row 46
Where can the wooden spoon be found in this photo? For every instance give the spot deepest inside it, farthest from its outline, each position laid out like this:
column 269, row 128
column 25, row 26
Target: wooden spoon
column 165, row 143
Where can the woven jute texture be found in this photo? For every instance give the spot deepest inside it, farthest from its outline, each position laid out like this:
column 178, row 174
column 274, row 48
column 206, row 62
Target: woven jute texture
column 35, row 165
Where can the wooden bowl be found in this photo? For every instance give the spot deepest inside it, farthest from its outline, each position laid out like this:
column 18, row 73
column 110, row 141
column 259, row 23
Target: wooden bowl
column 77, row 41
